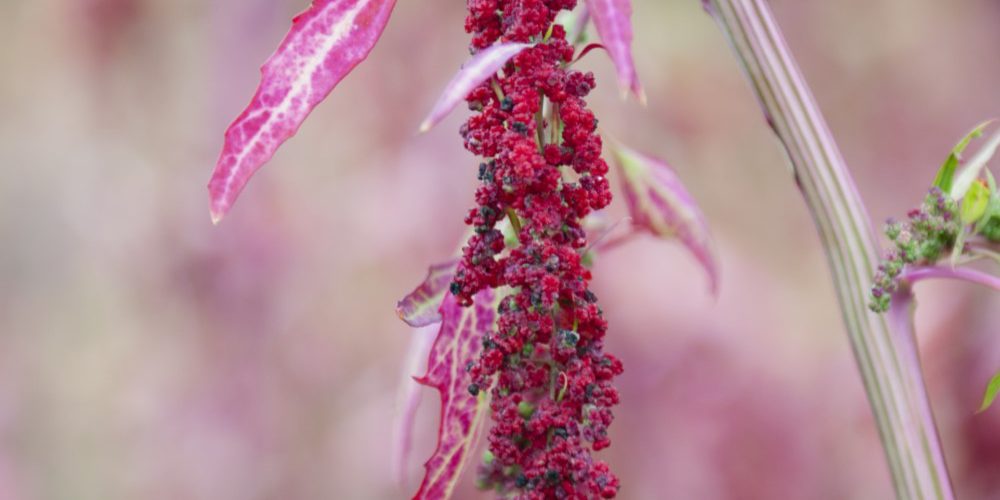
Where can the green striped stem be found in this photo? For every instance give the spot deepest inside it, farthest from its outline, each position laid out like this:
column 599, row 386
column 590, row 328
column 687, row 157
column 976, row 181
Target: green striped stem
column 886, row 354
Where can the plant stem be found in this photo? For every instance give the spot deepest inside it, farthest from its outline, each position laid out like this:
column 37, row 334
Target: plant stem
column 914, row 274
column 887, row 356
column 515, row 222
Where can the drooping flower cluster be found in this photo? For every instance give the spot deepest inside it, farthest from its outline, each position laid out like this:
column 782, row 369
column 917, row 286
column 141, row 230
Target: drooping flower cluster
column 929, row 232
column 542, row 170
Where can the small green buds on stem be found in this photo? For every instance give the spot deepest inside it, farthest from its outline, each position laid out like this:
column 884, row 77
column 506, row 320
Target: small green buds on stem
column 929, row 232
column 960, row 217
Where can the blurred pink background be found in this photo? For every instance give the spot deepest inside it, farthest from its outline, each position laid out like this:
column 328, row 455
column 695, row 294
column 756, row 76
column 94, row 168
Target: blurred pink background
column 145, row 354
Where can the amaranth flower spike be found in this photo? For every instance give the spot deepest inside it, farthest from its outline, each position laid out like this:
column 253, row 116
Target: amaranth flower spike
column 543, row 364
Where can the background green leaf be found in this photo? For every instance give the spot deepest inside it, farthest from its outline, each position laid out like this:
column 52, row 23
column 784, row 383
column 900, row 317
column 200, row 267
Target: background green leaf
column 974, row 167
column 946, row 174
column 975, row 202
column 992, row 389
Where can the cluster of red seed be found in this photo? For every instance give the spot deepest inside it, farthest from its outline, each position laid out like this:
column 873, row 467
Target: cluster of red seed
column 551, row 381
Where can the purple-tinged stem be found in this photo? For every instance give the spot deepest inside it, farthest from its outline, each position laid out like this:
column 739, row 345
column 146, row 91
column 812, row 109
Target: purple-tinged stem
column 915, row 274
column 885, row 350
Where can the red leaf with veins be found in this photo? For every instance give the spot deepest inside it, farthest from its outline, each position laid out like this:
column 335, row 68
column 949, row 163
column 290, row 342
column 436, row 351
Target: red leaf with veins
column 325, row 43
column 613, row 20
column 462, row 414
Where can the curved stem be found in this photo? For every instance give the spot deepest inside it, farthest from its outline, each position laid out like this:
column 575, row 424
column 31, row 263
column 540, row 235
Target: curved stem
column 886, row 354
column 915, row 274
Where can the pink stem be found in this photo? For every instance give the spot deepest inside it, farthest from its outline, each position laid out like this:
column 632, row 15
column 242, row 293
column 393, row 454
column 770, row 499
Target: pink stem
column 915, row 274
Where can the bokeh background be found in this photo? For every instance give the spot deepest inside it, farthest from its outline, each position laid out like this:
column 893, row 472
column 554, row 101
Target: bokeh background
column 145, row 354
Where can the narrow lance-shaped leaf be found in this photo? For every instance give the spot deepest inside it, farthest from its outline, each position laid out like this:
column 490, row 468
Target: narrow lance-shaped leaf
column 613, row 20
column 324, row 44
column 992, row 390
column 462, row 414
column 408, row 398
column 946, row 175
column 421, row 306
column 659, row 204
column 974, row 167
column 477, row 70
column 974, row 205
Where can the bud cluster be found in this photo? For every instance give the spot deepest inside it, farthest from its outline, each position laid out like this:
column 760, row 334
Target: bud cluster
column 929, row 232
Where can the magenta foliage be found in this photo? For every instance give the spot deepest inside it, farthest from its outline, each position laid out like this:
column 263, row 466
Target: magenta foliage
column 324, row 44
column 660, row 204
column 517, row 65
column 462, row 414
column 613, row 19
column 483, row 66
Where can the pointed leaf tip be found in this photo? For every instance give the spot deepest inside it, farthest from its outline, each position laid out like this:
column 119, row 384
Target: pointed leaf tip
column 946, row 174
column 973, row 168
column 477, row 70
column 613, row 20
column 706, row 5
column 216, row 217
column 660, row 204
column 325, row 43
column 992, row 391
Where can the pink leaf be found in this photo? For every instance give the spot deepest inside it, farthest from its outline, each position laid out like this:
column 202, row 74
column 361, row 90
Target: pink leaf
column 477, row 70
column 421, row 306
column 408, row 399
column 325, row 43
column 613, row 19
column 660, row 204
column 462, row 414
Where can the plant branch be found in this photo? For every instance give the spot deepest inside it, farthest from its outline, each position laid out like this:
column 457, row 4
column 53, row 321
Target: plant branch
column 915, row 274
column 887, row 356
